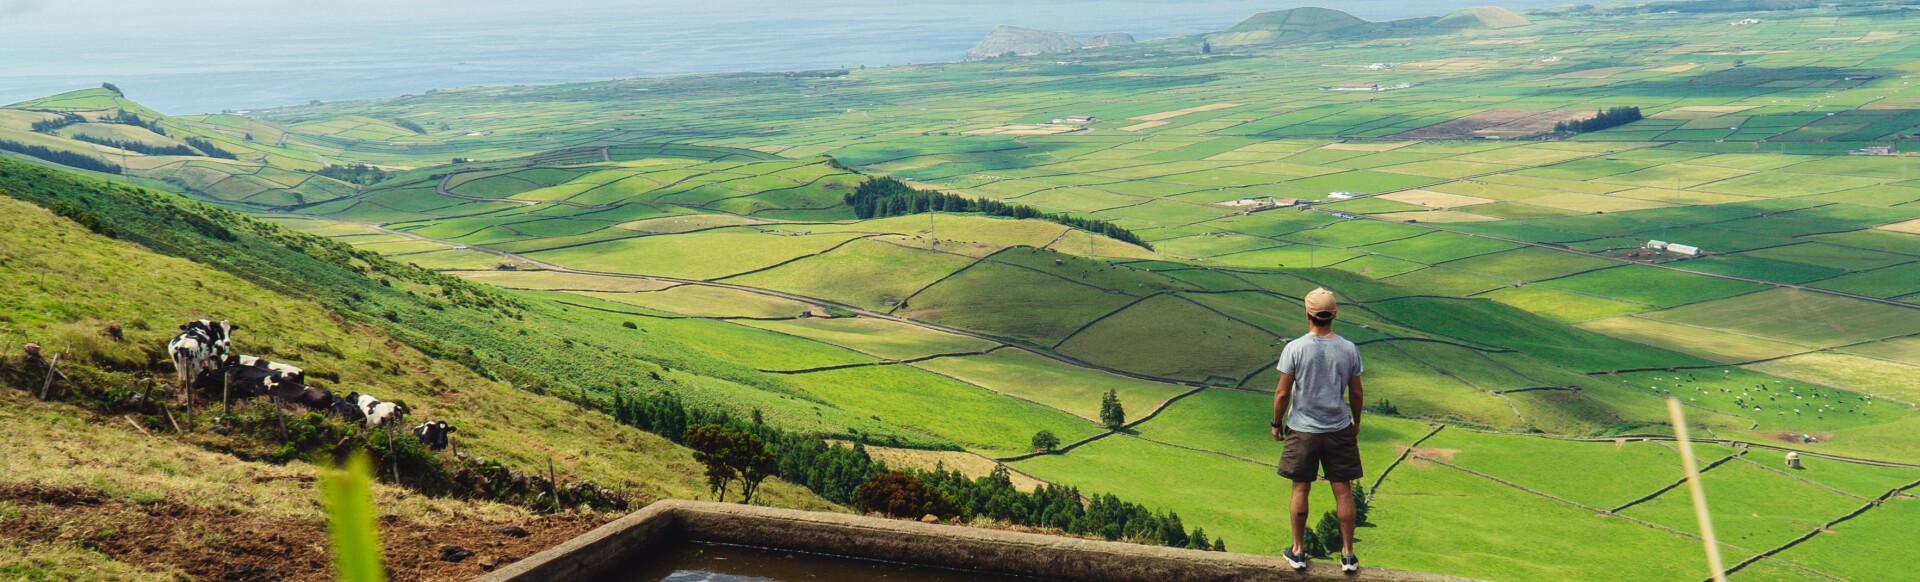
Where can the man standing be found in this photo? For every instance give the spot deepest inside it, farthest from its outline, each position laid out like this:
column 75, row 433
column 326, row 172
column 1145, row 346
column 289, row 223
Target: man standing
column 1319, row 428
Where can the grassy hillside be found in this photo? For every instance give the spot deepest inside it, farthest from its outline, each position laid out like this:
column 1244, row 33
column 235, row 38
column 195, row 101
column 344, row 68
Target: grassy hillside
column 68, row 297
column 1483, row 17
column 1287, row 25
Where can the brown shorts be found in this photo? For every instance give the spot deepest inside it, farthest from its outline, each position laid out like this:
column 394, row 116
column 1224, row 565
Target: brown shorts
column 1338, row 453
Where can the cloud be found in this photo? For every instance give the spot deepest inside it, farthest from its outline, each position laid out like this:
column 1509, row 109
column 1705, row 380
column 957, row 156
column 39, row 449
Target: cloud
column 17, row 7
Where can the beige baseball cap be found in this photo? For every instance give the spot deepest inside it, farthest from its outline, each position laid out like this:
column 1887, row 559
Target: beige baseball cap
column 1320, row 301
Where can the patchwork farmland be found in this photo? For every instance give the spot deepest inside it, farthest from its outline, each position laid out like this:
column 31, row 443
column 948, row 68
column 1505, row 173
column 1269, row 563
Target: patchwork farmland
column 1498, row 276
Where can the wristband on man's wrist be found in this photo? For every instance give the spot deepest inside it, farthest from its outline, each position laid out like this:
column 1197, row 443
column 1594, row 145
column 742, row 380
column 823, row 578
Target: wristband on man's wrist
column 1278, row 424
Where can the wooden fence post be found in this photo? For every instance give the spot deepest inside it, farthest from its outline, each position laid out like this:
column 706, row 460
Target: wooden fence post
column 168, row 409
column 226, row 405
column 396, row 456
column 147, row 398
column 553, row 485
column 53, row 369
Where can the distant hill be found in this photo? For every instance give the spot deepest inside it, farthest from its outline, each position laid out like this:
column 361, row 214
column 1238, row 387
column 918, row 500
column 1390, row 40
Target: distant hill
column 1287, row 24
column 1107, row 40
column 1487, row 17
column 1015, row 40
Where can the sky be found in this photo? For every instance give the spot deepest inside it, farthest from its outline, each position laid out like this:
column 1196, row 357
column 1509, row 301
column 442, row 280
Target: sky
column 185, row 56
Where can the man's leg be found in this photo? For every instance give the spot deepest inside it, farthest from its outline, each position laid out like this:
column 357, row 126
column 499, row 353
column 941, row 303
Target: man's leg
column 1300, row 490
column 1343, row 508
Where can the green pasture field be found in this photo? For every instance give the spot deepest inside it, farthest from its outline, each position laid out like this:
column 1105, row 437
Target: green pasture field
column 1035, row 378
column 1878, row 532
column 1849, row 372
column 1752, row 267
column 1720, row 346
column 1420, row 391
column 721, row 339
column 707, row 255
column 864, row 273
column 1435, row 518
column 1212, row 347
column 1901, row 349
column 978, row 419
column 1486, row 322
column 1798, row 316
column 1233, row 499
column 1236, row 423
column 1887, row 282
column 1446, row 281
column 538, row 280
column 1436, row 247
column 877, row 337
column 1013, row 302
column 1308, row 255
column 1566, row 306
column 1567, row 468
column 1527, row 264
column 1849, row 423
column 704, row 301
column 1652, row 286
column 1849, row 258
column 1752, row 508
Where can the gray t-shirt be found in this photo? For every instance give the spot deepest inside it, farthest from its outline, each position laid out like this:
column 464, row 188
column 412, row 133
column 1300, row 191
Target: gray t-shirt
column 1320, row 367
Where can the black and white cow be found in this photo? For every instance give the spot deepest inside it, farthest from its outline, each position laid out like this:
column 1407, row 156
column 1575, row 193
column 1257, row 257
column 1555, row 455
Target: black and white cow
column 347, row 408
column 434, row 434
column 378, row 412
column 202, row 345
column 252, row 382
column 292, row 372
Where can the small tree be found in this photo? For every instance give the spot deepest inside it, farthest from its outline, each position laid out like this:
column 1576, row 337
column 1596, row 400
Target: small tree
column 1206, row 47
column 1324, row 540
column 1045, row 441
column 900, row 494
column 1112, row 414
column 112, row 87
column 731, row 455
column 1220, row 544
column 1360, row 504
column 1198, row 541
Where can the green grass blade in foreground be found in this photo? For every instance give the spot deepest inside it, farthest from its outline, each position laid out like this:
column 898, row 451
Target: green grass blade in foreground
column 356, row 543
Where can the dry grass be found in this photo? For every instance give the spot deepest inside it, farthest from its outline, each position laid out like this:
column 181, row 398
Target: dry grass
column 1385, row 146
column 1440, row 216
column 550, row 280
column 1909, row 227
column 1165, row 115
column 965, row 463
column 1433, row 199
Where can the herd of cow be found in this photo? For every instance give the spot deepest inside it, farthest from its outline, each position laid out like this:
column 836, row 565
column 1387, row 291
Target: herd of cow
column 203, row 359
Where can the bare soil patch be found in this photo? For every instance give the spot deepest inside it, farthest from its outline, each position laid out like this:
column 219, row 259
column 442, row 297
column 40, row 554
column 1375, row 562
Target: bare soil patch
column 1420, row 456
column 1794, row 437
column 208, row 543
column 1502, row 123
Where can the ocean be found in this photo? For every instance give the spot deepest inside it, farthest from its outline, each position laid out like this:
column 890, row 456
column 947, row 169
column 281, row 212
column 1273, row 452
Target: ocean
column 196, row 56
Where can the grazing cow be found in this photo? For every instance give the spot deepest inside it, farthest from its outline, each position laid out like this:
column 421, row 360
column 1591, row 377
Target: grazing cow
column 347, row 408
column 378, row 412
column 434, row 434
column 292, row 372
column 201, row 346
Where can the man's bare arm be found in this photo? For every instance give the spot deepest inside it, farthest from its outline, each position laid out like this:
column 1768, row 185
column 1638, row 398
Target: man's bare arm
column 1355, row 401
column 1282, row 397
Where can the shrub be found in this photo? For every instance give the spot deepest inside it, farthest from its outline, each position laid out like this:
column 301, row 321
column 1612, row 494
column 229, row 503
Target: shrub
column 900, row 494
column 1045, row 441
